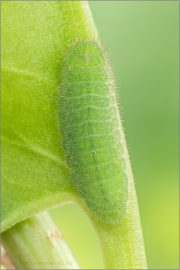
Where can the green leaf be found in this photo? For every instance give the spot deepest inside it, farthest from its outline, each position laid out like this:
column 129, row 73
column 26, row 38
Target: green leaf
column 35, row 38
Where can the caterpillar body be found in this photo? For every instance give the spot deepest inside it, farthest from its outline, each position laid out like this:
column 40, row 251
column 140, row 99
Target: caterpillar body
column 89, row 124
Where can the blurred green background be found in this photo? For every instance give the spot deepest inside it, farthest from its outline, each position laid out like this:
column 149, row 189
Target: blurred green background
column 142, row 41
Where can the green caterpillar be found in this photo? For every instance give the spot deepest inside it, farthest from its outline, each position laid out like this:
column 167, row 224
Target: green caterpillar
column 89, row 124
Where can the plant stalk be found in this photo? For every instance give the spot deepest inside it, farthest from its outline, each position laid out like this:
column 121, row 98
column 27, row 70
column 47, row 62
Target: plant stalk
column 36, row 243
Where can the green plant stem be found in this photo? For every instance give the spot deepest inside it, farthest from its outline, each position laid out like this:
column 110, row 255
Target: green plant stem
column 36, row 243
